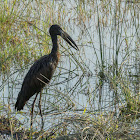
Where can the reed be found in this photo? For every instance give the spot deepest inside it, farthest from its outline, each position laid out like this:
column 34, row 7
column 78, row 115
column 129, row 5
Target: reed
column 94, row 94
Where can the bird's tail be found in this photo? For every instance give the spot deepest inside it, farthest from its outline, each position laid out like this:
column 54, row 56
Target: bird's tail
column 20, row 102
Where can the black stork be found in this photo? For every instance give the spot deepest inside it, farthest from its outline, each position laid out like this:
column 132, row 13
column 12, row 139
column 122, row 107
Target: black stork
column 43, row 69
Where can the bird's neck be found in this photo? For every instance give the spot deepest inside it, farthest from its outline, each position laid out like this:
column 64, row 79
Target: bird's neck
column 55, row 44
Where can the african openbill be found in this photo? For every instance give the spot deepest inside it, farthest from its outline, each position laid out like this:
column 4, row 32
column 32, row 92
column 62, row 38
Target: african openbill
column 43, row 69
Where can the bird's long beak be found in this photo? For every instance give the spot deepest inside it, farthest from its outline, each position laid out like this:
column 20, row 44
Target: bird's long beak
column 67, row 38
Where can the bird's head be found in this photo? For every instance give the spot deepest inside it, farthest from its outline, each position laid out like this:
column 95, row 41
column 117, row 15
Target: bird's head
column 57, row 30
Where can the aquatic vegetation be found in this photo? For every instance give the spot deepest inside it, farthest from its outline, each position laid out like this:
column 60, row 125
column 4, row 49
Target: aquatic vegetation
column 94, row 93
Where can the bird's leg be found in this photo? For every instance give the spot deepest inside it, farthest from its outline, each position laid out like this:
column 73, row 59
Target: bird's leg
column 33, row 111
column 41, row 111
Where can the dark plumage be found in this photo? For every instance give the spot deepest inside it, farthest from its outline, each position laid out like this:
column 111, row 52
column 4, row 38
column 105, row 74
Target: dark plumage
column 43, row 69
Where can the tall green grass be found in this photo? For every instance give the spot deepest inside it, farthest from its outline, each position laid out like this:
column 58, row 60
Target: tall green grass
column 96, row 96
